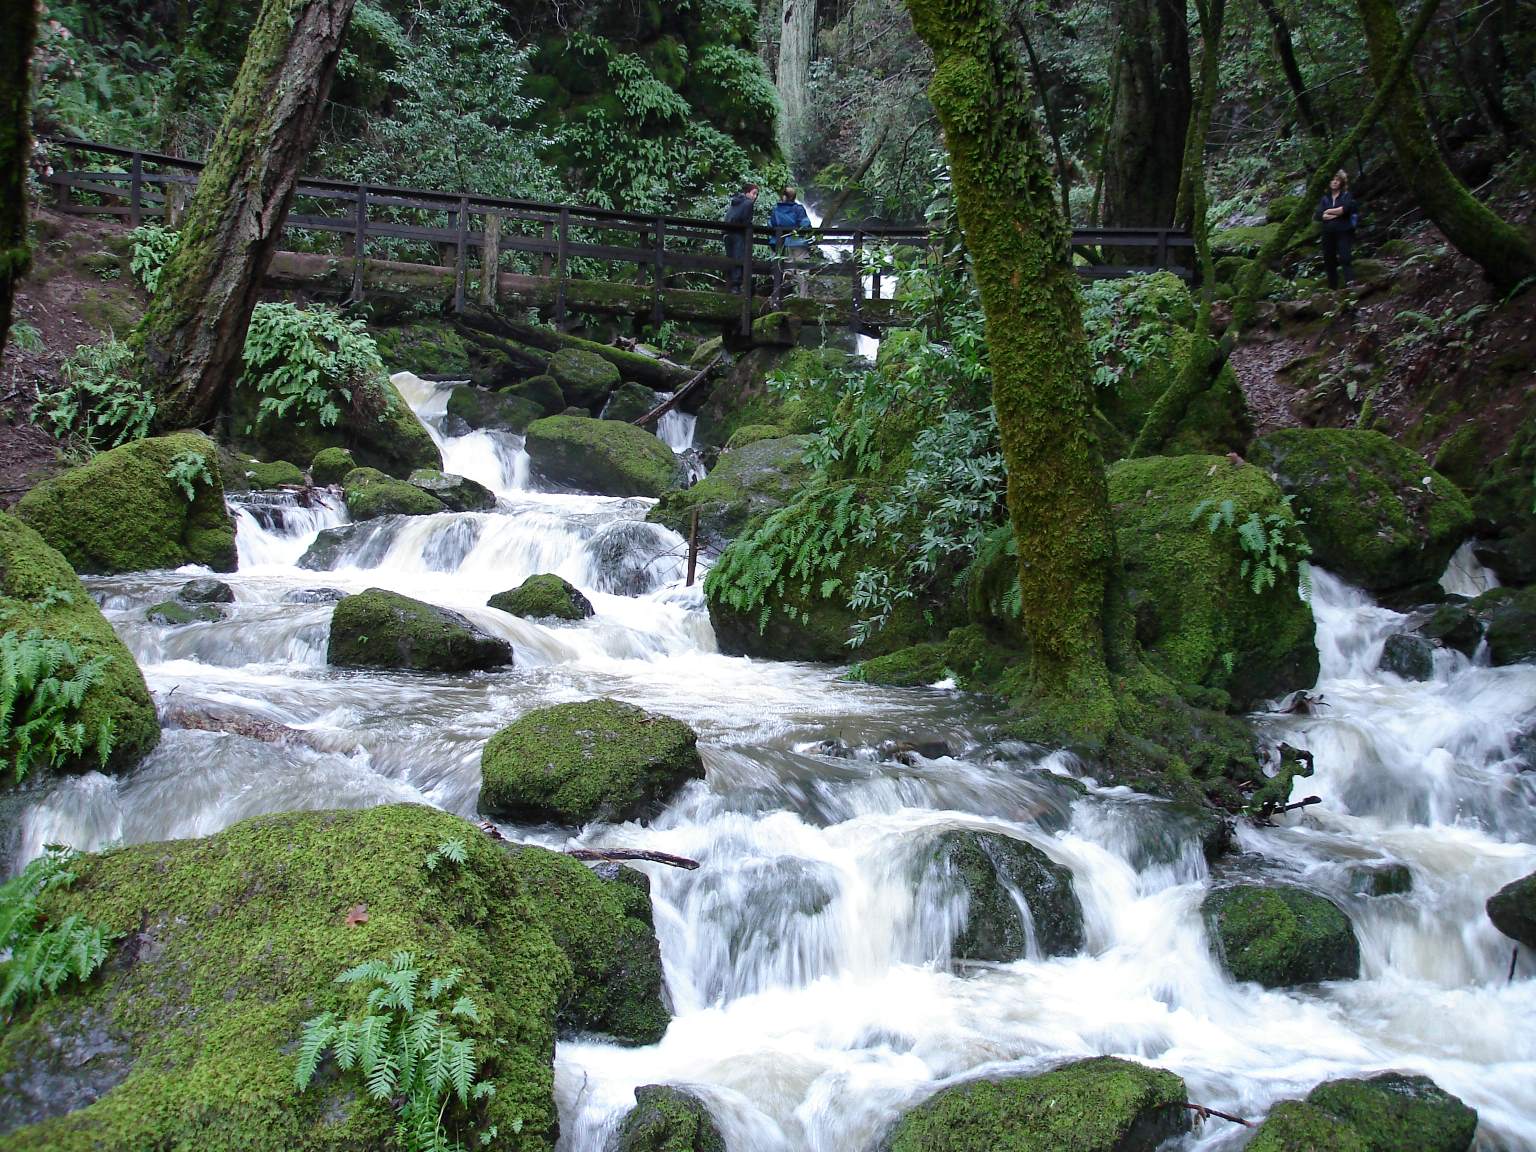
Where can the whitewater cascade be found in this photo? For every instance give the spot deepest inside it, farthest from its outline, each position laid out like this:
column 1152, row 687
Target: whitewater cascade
column 807, row 959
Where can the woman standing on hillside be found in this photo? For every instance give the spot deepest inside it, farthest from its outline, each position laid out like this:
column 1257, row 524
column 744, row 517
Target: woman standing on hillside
column 1339, row 215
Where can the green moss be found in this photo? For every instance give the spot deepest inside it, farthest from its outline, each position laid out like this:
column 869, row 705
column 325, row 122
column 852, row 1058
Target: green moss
column 229, row 943
column 749, row 480
column 596, row 760
column 426, row 348
column 542, row 391
column 1513, row 910
column 370, row 494
column 751, row 433
column 585, row 378
column 32, row 575
column 1397, row 1113
column 543, row 596
column 380, row 629
column 502, row 411
column 120, row 512
column 331, row 465
column 457, row 493
column 1296, row 1126
column 977, row 661
column 744, row 398
column 668, row 1119
column 1216, row 420
column 274, row 475
column 994, row 871
column 914, row 667
column 110, row 311
column 174, row 614
column 1244, row 241
column 1099, row 1105
column 601, row 456
column 1280, row 935
column 629, row 402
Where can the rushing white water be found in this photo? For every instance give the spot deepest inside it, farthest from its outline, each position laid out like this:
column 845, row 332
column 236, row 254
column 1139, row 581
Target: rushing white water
column 808, row 958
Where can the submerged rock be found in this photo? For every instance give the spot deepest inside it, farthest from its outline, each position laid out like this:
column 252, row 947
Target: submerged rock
column 1389, row 1112
column 314, row 596
column 122, row 512
column 543, row 596
column 457, row 493
column 174, row 613
column 1411, row 657
column 331, row 465
column 997, row 871
column 369, row 494
column 1513, row 910
column 380, row 629
column 606, row 457
column 1280, row 935
column 667, row 1119
column 1380, row 879
column 1100, row 1105
column 596, row 760
column 205, row 591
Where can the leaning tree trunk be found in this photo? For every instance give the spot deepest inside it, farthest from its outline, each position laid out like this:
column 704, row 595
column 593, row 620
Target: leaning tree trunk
column 1285, row 52
column 18, row 29
column 1145, row 149
column 797, row 41
column 1505, row 254
column 191, row 338
column 1018, row 242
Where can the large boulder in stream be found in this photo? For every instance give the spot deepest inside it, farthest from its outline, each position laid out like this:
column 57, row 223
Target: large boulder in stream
column 1375, row 512
column 1389, row 1112
column 1513, row 910
column 749, row 480
column 629, row 403
column 497, row 411
column 667, row 1119
column 370, row 494
column 1100, row 1105
column 40, row 592
column 457, row 493
column 380, row 629
column 221, row 948
column 127, row 510
column 1280, row 935
column 585, row 378
column 594, row 760
column 996, row 872
column 606, row 457
column 543, row 597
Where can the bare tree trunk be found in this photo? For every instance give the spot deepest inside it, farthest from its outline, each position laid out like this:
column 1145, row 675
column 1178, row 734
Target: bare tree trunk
column 18, row 30
column 1146, row 137
column 1286, row 51
column 1063, row 172
column 191, row 338
column 797, row 43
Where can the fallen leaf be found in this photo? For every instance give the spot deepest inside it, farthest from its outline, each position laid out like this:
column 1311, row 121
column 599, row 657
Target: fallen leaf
column 358, row 915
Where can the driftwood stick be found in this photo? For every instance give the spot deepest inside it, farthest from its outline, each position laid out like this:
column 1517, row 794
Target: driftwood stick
column 1205, row 1113
column 1304, row 802
column 632, row 854
column 672, row 401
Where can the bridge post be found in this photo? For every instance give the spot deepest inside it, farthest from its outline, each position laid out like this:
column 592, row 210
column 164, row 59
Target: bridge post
column 562, row 254
column 490, row 259
column 658, row 270
column 1162, row 249
column 359, row 243
column 746, row 281
column 858, row 281
column 175, row 203
column 544, row 260
column 460, row 253
column 135, row 190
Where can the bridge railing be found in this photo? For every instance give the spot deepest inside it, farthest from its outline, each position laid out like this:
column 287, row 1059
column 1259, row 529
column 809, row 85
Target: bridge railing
column 486, row 239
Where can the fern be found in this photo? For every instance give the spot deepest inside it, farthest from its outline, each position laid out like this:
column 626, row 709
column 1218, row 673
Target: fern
column 307, row 363
column 152, row 250
column 98, row 403
column 1272, row 545
column 41, row 955
column 453, row 851
column 43, row 682
column 186, row 470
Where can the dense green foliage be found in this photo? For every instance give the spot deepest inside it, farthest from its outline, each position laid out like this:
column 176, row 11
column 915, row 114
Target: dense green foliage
column 42, row 954
column 307, row 362
column 43, row 682
column 95, row 403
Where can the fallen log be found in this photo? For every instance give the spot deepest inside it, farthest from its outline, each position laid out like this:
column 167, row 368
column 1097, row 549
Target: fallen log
column 618, row 854
column 677, row 397
column 1205, row 1112
column 662, row 375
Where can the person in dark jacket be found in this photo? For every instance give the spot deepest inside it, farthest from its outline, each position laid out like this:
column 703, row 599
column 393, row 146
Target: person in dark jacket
column 739, row 212
column 791, row 225
column 1338, row 214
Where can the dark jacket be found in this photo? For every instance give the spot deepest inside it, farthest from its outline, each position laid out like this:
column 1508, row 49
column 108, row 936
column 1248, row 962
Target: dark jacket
column 739, row 212
column 1344, row 223
column 789, row 216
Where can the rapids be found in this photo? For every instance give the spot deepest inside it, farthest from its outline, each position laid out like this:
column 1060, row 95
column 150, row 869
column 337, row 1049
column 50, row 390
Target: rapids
column 807, row 960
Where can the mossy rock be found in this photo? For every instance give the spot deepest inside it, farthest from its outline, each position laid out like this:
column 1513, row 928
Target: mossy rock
column 1100, row 1105
column 995, row 872
column 1375, row 513
column 427, row 349
column 776, row 330
column 1455, row 625
column 629, row 403
column 38, row 589
column 276, row 474
column 121, row 511
column 1296, row 1126
column 668, row 1119
column 594, row 760
column 744, row 397
column 205, row 590
column 544, row 596
column 899, row 347
column 542, row 391
column 1513, row 910
column 173, row 613
column 976, row 659
column 1392, row 1112
column 1280, row 935
column 751, row 434
column 369, row 494
column 1409, row 656
column 331, row 465
column 1216, row 421
column 1507, row 618
column 325, row 553
column 749, row 480
column 585, row 378
column 1243, row 241
column 497, row 411
column 457, row 493
column 226, row 945
column 1380, row 880
column 380, row 629
column 600, row 456
column 1196, row 613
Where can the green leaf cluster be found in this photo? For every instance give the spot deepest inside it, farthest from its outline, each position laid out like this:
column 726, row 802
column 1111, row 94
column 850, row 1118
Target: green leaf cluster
column 42, row 955
column 96, row 404
column 307, row 363
column 1272, row 545
column 1127, row 322
column 43, row 682
column 186, row 470
column 152, row 248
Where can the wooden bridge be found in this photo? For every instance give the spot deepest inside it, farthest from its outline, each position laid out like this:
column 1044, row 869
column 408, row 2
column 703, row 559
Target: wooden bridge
column 351, row 241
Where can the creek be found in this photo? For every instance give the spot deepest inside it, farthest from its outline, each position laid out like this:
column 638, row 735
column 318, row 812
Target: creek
column 808, row 958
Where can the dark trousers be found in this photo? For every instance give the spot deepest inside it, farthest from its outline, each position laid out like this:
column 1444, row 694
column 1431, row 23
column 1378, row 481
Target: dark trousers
column 733, row 247
column 1337, row 255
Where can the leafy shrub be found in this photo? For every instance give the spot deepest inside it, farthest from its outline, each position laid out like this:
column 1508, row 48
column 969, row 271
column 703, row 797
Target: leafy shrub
column 307, row 362
column 42, row 956
column 1129, row 322
column 96, row 406
column 43, row 682
column 152, row 248
column 24, row 337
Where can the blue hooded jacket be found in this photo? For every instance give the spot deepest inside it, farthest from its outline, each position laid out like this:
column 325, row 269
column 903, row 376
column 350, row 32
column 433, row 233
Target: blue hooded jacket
column 790, row 215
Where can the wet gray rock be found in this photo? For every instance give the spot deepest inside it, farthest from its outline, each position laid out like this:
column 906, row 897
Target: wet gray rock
column 314, row 596
column 1380, row 879
column 1411, row 657
column 77, row 1059
column 458, row 493
column 1513, row 910
column 205, row 591
column 996, row 871
column 1455, row 625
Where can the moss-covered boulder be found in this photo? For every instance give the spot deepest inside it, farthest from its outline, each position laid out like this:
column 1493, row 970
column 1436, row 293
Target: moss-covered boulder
column 996, row 872
column 380, row 629
column 1100, row 1105
column 668, row 1119
column 274, row 474
column 173, row 613
column 1508, row 620
column 1513, row 910
column 544, row 596
column 457, row 493
column 585, row 378
column 123, row 512
column 749, row 480
column 331, row 465
column 976, row 659
column 498, row 411
column 604, row 457
column 744, row 397
column 369, row 494
column 427, row 348
column 1389, row 1112
column 38, row 589
column 226, row 945
column 1296, row 1126
column 594, row 760
column 205, row 590
column 1280, row 935
column 1375, row 513
column 1190, row 588
column 629, row 403
column 541, row 390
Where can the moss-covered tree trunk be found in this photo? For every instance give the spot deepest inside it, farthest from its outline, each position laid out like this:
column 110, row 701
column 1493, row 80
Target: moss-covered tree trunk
column 191, row 338
column 1505, row 254
column 1018, row 243
column 797, row 41
column 18, row 30
column 1147, row 131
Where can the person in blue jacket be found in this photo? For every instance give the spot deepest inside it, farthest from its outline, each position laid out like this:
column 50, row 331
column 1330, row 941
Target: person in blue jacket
column 791, row 226
column 739, row 212
column 1338, row 213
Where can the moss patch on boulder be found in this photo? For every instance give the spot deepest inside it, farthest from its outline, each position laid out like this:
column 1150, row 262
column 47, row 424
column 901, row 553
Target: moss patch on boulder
column 1392, row 1112
column 977, row 660
column 749, row 480
column 629, row 403
column 1216, row 421
column 996, row 872
column 541, row 390
column 594, row 760
column 745, row 398
column 1513, row 910
column 38, row 589
column 122, row 512
column 585, row 378
column 1100, row 1105
column 274, row 474
column 172, row 613
column 427, row 349
column 668, row 1119
column 499, row 411
column 457, row 493
column 331, row 465
column 543, row 596
column 1296, row 1126
column 369, row 493
column 1375, row 513
column 1280, row 935
column 380, row 629
column 600, row 456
